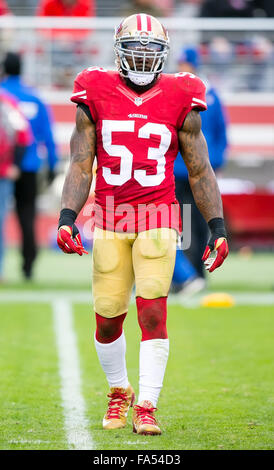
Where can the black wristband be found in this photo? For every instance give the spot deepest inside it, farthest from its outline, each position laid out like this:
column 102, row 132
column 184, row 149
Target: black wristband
column 67, row 217
column 217, row 225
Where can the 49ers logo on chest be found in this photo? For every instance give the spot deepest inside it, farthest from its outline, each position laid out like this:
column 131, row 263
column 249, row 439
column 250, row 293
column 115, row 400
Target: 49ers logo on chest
column 138, row 101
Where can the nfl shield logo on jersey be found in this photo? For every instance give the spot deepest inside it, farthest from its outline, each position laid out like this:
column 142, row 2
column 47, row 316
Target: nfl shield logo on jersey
column 138, row 101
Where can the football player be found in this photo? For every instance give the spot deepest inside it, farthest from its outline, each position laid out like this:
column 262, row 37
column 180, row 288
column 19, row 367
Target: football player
column 134, row 120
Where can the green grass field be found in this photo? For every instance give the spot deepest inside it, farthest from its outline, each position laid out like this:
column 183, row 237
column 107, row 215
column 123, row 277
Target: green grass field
column 218, row 390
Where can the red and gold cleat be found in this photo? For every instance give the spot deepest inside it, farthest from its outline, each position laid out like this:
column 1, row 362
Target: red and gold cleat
column 143, row 419
column 121, row 399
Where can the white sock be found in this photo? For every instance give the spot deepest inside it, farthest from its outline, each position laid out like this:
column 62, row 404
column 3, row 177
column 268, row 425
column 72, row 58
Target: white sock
column 152, row 365
column 112, row 357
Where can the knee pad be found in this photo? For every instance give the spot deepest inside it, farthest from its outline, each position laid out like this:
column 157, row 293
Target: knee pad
column 109, row 329
column 109, row 306
column 152, row 315
column 151, row 287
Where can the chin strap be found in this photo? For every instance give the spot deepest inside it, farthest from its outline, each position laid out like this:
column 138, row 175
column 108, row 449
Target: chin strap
column 140, row 79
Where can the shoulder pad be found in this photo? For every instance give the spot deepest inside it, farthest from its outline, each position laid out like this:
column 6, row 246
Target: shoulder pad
column 93, row 83
column 189, row 82
column 89, row 74
column 192, row 86
column 91, row 77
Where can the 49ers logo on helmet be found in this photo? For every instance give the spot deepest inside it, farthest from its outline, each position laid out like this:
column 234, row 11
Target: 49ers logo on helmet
column 144, row 37
column 119, row 28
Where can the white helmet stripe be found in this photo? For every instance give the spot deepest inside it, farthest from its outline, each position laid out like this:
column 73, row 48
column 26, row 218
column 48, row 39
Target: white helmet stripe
column 144, row 25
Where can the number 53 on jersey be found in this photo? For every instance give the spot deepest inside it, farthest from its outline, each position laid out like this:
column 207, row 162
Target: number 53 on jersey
column 126, row 156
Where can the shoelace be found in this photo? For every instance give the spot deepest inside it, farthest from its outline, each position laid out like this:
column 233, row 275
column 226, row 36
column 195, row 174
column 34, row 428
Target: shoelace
column 117, row 400
column 146, row 414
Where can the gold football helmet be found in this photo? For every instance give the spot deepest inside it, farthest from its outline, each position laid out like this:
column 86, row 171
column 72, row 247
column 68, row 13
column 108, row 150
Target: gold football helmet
column 141, row 46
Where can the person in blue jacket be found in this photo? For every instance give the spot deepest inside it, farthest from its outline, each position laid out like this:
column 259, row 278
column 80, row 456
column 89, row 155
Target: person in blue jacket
column 189, row 274
column 39, row 117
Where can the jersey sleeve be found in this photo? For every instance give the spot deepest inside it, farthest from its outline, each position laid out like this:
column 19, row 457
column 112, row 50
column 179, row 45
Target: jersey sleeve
column 192, row 91
column 84, row 89
column 198, row 95
column 79, row 94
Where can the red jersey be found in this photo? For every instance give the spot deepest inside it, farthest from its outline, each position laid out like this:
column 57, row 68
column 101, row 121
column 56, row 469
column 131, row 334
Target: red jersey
column 137, row 143
column 4, row 9
column 14, row 130
column 58, row 8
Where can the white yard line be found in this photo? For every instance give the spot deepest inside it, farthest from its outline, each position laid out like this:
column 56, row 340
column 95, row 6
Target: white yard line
column 17, row 296
column 76, row 424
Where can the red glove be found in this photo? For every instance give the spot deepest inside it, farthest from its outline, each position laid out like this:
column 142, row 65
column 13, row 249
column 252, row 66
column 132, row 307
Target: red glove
column 69, row 240
column 68, row 236
column 217, row 248
column 218, row 254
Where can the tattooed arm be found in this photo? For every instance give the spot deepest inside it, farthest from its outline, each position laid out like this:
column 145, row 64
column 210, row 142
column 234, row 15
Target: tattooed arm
column 77, row 183
column 202, row 178
column 79, row 177
column 204, row 188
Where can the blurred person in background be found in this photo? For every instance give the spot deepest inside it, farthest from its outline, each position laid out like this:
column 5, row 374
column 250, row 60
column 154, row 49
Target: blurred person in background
column 268, row 7
column 149, row 7
column 4, row 9
column 189, row 274
column 261, row 50
column 222, row 57
column 67, row 46
column 40, row 120
column 227, row 8
column 237, row 8
column 5, row 34
column 15, row 136
column 71, row 8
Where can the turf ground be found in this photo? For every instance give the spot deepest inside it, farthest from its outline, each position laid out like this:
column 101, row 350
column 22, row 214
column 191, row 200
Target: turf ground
column 218, row 390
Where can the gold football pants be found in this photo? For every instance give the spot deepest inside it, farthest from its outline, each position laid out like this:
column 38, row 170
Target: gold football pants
column 120, row 258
